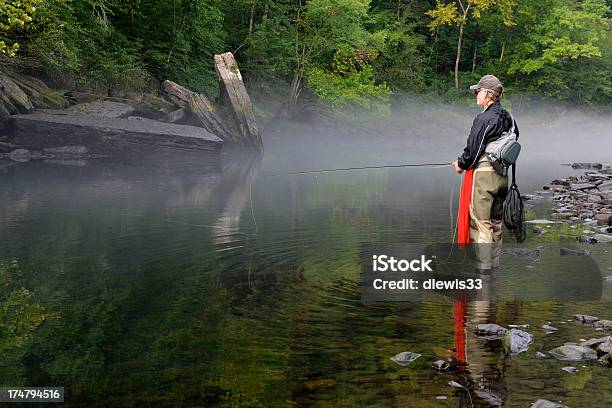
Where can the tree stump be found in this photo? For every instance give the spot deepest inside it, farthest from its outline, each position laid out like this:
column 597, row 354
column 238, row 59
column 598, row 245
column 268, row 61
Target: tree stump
column 235, row 94
column 201, row 108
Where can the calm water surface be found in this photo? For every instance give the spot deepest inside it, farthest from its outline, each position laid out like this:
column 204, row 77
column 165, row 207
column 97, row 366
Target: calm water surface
column 167, row 285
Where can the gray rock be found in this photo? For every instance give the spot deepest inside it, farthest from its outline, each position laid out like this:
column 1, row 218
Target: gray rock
column 573, row 353
column 404, row 358
column 516, row 341
column 539, row 354
column 440, row 365
column 602, row 238
column 582, row 186
column 441, row 397
column 111, row 136
column 585, row 318
column 586, row 240
column 549, row 328
column 605, row 347
column 594, row 342
column 455, row 384
column 573, row 252
column 490, row 329
column 570, row 369
column 524, row 252
column 597, row 166
column 20, row 155
column 603, row 324
column 542, row 403
column 538, row 231
column 518, row 326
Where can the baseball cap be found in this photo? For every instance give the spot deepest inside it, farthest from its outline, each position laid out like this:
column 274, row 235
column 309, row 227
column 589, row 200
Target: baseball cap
column 488, row 82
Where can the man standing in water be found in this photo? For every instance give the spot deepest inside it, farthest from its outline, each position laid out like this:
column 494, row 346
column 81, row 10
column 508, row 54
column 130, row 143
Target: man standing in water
column 484, row 190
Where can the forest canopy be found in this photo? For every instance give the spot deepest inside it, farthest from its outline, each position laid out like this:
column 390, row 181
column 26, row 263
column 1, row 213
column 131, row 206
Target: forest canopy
column 343, row 52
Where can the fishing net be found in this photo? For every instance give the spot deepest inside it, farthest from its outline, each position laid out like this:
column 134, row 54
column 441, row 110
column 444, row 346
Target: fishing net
column 514, row 216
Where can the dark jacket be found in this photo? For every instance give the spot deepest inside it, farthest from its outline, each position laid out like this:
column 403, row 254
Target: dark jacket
column 488, row 125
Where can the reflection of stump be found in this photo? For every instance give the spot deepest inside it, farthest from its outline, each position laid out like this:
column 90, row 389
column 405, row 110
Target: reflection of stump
column 233, row 93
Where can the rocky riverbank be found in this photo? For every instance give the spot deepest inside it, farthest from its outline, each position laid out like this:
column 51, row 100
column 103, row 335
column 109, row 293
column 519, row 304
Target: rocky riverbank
column 583, row 202
column 38, row 122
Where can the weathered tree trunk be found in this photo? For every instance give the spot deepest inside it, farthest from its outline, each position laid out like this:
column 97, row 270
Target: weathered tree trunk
column 201, row 108
column 234, row 92
column 461, row 26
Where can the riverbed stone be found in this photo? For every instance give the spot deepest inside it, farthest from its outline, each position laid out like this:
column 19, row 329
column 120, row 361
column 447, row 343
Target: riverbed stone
column 606, row 360
column 585, row 318
column 603, row 218
column 594, row 342
column 440, row 365
column 570, row 369
column 542, row 403
column 605, row 347
column 489, row 329
column 603, row 324
column 548, row 327
column 573, row 252
column 404, row 358
column 602, row 238
column 516, row 341
column 104, row 109
column 573, row 353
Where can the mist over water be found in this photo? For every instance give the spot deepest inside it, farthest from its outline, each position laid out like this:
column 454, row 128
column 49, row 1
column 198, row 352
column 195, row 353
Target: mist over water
column 220, row 285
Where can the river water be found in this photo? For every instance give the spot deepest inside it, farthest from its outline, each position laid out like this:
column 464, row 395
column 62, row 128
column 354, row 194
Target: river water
column 216, row 285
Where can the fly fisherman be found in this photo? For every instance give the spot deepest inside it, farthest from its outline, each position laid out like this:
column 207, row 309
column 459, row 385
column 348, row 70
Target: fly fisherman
column 484, row 189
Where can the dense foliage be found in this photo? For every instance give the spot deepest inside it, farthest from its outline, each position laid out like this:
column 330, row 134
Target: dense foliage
column 345, row 52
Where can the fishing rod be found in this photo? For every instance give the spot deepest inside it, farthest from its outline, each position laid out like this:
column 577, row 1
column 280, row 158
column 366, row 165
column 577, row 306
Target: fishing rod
column 388, row 166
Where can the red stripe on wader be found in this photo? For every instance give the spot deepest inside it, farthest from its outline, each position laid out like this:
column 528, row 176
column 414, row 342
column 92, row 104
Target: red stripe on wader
column 465, row 198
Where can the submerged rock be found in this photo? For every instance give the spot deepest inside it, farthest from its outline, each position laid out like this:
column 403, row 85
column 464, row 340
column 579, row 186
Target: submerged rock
column 570, row 369
column 489, row 329
column 586, row 318
column 440, row 365
column 549, row 328
column 573, row 353
column 404, row 358
column 455, row 384
column 573, row 252
column 516, row 341
column 542, row 403
column 602, row 238
column 539, row 354
column 518, row 326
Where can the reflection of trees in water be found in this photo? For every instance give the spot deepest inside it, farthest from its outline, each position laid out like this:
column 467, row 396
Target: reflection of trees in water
column 19, row 318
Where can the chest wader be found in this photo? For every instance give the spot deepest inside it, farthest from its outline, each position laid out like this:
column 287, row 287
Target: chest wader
column 489, row 190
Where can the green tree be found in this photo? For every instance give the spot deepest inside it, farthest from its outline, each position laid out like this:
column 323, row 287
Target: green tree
column 14, row 14
column 450, row 14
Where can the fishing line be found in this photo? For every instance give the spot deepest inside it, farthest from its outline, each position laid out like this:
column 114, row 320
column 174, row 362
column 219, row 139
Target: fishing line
column 388, row 166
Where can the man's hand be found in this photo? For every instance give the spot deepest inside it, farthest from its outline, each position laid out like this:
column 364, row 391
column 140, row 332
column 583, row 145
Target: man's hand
column 458, row 169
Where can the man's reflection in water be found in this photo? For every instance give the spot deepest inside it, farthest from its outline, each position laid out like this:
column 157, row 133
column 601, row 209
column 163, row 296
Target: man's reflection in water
column 480, row 362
